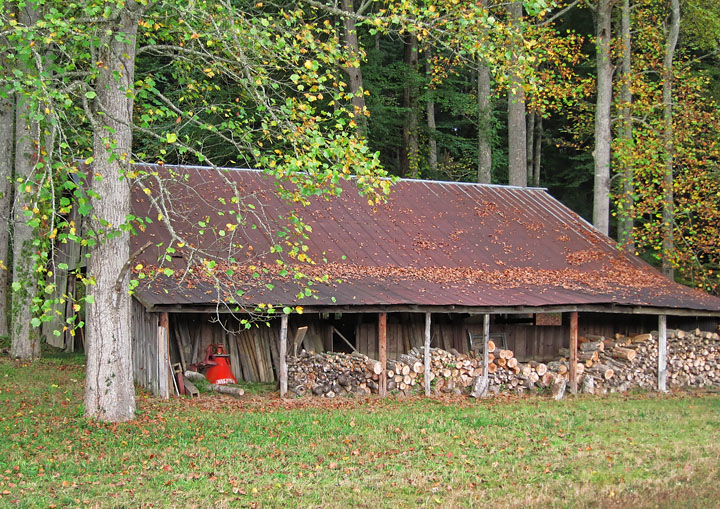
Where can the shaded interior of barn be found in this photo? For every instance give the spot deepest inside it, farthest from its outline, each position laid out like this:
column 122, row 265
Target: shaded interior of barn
column 254, row 351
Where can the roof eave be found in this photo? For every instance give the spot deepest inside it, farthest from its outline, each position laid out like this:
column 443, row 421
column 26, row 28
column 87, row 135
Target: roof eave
column 399, row 308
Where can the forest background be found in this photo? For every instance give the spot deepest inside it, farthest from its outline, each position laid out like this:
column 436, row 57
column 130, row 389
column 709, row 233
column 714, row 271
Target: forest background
column 611, row 105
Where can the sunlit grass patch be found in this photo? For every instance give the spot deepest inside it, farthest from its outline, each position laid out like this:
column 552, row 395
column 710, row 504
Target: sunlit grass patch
column 642, row 450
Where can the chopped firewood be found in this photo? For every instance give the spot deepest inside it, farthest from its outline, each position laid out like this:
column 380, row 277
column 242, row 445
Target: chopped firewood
column 558, row 388
column 624, row 353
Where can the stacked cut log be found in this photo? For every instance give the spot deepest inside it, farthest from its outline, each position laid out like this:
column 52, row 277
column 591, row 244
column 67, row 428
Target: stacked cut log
column 621, row 363
column 604, row 365
column 333, row 374
column 693, row 358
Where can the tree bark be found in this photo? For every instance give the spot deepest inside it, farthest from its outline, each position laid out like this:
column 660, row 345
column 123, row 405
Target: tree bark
column 109, row 390
column 354, row 71
column 430, row 113
column 410, row 162
column 7, row 121
column 626, row 223
column 603, row 134
column 517, row 135
column 537, row 148
column 25, row 340
column 484, row 125
column 530, row 142
column 668, row 242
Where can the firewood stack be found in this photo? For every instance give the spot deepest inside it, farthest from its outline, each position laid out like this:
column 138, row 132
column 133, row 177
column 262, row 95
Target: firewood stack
column 693, row 358
column 334, row 374
column 604, row 365
column 621, row 363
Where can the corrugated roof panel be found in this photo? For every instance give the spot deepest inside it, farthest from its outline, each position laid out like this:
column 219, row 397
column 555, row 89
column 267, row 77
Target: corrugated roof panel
column 431, row 244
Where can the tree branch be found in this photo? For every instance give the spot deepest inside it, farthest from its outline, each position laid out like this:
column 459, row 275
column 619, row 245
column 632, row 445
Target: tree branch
column 125, row 268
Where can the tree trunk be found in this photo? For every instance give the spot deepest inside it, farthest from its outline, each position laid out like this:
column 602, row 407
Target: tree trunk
column 517, row 157
column 109, row 390
column 7, row 120
column 603, row 134
column 354, row 71
column 530, row 142
column 537, row 148
column 625, row 222
column 484, row 125
column 430, row 113
column 668, row 145
column 410, row 163
column 484, row 92
column 25, row 340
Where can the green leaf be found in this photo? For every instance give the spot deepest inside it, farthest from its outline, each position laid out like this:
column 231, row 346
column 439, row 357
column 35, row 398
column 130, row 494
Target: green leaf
column 90, row 299
column 90, row 95
column 171, row 137
column 35, row 322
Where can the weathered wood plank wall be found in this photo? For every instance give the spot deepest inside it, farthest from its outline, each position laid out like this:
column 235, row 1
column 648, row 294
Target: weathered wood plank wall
column 145, row 349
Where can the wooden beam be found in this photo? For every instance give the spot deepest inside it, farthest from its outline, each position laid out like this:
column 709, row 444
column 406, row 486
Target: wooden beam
column 486, row 358
column 426, row 353
column 662, row 353
column 344, row 339
column 573, row 351
column 382, row 353
column 283, row 355
column 412, row 308
column 163, row 360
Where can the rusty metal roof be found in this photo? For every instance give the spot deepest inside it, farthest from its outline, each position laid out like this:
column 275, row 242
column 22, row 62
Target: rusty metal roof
column 432, row 244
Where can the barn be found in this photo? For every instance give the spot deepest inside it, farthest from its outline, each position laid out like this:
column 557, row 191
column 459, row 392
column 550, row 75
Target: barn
column 219, row 248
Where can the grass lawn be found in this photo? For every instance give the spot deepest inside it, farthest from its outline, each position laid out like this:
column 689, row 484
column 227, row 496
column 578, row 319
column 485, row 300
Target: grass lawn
column 638, row 450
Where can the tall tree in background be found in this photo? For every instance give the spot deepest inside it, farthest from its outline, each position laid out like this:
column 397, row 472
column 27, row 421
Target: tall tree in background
column 625, row 202
column 7, row 112
column 355, row 56
column 411, row 152
column 668, row 243
column 430, row 113
column 603, row 128
column 484, row 95
column 485, row 128
column 25, row 342
column 517, row 130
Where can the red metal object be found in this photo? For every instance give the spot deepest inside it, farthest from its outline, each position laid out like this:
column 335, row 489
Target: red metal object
column 218, row 366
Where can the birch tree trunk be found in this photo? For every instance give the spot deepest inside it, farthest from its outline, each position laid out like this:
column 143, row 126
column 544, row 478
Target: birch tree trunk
column 109, row 390
column 625, row 222
column 517, row 134
column 25, row 342
column 603, row 134
column 668, row 241
column 7, row 115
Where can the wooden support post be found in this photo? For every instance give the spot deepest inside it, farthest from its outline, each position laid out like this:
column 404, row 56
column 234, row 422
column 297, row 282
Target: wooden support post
column 382, row 353
column 163, row 359
column 486, row 340
column 662, row 353
column 426, row 354
column 283, row 355
column 573, row 351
